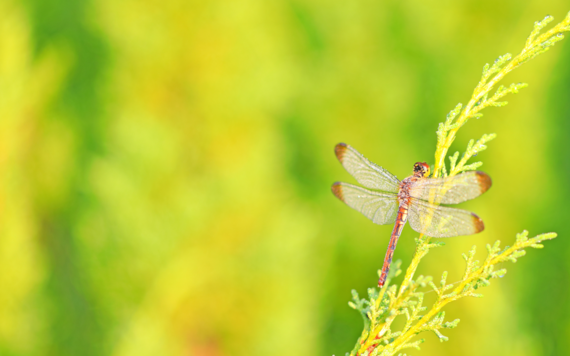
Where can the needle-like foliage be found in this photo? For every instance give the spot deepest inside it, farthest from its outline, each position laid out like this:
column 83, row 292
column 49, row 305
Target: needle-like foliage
column 382, row 307
column 482, row 98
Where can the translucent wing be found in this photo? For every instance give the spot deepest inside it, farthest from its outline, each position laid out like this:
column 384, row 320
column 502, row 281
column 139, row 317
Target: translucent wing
column 451, row 190
column 441, row 221
column 366, row 173
column 379, row 207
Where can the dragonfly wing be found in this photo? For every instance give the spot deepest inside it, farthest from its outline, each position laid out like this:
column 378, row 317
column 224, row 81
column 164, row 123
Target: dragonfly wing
column 451, row 190
column 366, row 173
column 381, row 208
column 440, row 221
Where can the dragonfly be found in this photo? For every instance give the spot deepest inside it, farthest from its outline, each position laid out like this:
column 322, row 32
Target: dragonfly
column 416, row 199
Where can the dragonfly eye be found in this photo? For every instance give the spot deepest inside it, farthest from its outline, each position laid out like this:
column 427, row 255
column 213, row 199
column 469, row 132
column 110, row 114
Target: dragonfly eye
column 421, row 169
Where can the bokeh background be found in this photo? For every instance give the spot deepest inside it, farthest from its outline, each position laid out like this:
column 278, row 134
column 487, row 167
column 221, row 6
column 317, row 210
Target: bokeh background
column 165, row 171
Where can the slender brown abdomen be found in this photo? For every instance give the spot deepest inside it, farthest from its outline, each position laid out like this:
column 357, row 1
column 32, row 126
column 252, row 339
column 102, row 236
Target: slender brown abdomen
column 398, row 227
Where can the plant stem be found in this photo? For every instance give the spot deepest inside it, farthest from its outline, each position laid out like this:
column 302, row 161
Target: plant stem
column 484, row 88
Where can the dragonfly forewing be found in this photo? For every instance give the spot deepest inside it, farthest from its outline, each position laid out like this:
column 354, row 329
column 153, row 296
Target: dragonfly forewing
column 365, row 172
column 380, row 207
column 440, row 221
column 451, row 190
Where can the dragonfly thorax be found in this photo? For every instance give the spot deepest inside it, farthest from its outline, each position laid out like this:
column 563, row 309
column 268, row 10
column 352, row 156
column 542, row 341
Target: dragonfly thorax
column 421, row 170
column 405, row 184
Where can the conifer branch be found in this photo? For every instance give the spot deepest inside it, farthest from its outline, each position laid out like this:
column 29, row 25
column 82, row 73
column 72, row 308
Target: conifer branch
column 383, row 306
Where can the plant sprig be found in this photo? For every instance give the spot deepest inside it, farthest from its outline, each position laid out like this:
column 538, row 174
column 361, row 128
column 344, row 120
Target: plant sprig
column 382, row 307
column 492, row 74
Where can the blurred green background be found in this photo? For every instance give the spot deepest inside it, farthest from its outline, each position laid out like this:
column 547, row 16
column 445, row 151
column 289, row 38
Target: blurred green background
column 165, row 171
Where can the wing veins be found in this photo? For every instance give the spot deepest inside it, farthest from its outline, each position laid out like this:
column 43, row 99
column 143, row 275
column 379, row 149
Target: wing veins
column 442, row 221
column 451, row 190
column 364, row 171
column 380, row 207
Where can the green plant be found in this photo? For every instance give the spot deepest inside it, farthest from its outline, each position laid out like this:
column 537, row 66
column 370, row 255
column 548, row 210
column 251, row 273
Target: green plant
column 383, row 306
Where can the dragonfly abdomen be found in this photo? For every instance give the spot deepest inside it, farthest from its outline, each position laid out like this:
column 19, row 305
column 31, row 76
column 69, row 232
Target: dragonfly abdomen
column 398, row 227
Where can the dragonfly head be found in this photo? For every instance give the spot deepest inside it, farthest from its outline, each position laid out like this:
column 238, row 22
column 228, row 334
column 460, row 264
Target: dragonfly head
column 421, row 170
